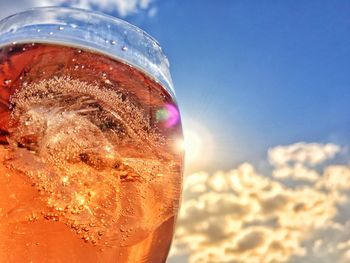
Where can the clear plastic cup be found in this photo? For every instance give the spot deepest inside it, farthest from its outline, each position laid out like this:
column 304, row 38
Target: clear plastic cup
column 90, row 135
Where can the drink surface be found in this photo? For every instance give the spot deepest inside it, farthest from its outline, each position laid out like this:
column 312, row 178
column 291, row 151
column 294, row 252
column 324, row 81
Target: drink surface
column 89, row 168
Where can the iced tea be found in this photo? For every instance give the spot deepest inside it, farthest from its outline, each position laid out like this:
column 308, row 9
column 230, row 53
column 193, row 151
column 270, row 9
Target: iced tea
column 89, row 168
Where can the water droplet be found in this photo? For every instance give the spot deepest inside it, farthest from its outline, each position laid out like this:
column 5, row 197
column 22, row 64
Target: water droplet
column 60, row 28
column 124, row 48
column 24, row 49
column 79, row 51
column 113, row 42
column 38, row 30
column 74, row 59
column 51, row 33
column 104, row 74
column 14, row 43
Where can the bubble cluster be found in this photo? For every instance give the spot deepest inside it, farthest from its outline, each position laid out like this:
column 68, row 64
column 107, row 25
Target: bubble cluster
column 71, row 138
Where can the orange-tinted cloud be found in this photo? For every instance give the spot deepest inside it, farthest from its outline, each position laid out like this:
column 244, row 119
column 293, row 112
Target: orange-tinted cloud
column 243, row 216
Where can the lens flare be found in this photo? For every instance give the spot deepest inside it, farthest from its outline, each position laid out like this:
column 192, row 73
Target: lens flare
column 169, row 115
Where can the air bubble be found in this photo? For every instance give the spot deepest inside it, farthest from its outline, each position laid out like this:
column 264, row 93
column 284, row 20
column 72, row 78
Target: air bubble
column 7, row 82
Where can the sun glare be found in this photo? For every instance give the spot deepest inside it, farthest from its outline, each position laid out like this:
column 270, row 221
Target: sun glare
column 192, row 145
column 196, row 144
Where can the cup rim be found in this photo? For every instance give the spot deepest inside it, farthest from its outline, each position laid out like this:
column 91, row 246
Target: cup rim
column 151, row 59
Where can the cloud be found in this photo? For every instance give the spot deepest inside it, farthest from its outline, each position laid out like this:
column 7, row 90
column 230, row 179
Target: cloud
column 297, row 161
column 297, row 172
column 306, row 153
column 243, row 216
column 335, row 177
column 123, row 7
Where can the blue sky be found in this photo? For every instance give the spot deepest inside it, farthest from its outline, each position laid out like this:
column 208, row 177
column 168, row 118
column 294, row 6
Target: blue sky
column 259, row 73
column 266, row 84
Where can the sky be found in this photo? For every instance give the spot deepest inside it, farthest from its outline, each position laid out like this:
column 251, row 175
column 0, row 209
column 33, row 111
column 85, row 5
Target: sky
column 264, row 90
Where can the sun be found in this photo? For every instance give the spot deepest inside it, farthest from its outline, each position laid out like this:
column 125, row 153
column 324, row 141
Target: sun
column 197, row 144
column 193, row 145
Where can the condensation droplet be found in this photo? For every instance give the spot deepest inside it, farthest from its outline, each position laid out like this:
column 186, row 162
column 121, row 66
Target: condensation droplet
column 38, row 30
column 113, row 42
column 124, row 48
column 51, row 33
column 60, row 28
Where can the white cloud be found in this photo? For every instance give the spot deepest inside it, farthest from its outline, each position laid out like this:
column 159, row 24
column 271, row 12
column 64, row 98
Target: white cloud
column 297, row 172
column 335, row 177
column 243, row 216
column 305, row 153
column 297, row 161
column 123, row 7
